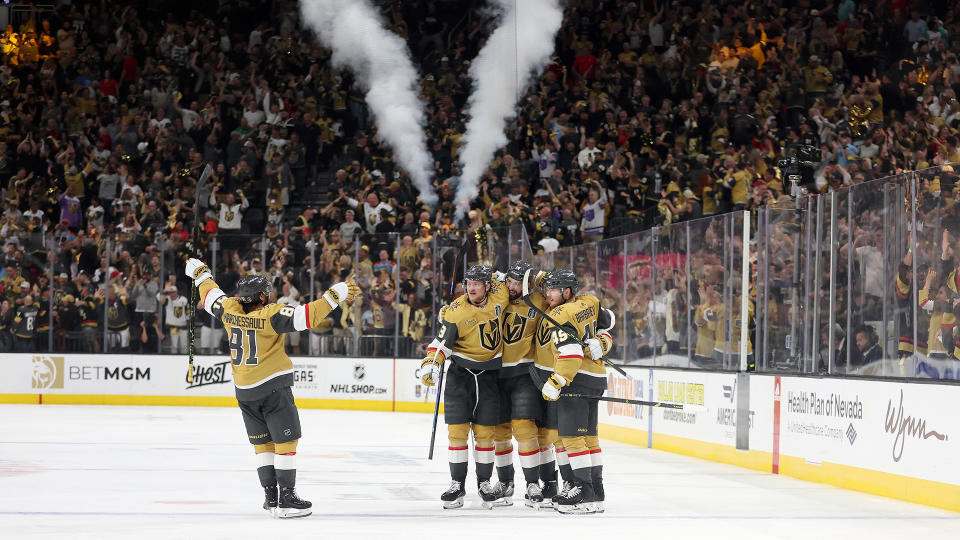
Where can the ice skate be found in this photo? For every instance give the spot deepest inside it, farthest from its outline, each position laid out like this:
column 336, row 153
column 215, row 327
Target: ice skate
column 598, row 491
column 567, row 486
column 270, row 500
column 506, row 489
column 292, row 506
column 579, row 499
column 534, row 496
column 549, row 492
column 453, row 496
column 489, row 493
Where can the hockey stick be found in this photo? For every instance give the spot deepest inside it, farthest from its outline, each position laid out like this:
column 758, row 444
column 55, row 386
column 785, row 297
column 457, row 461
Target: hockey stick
column 661, row 404
column 204, row 176
column 526, row 300
column 436, row 406
column 457, row 261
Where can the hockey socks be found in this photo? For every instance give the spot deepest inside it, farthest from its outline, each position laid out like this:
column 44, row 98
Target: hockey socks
column 548, row 464
column 286, row 467
column 503, row 450
column 457, row 450
column 483, row 455
column 265, row 467
column 457, row 456
column 563, row 461
column 504, row 460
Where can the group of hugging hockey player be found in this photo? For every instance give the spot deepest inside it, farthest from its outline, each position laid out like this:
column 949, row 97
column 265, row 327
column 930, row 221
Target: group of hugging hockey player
column 502, row 387
column 517, row 374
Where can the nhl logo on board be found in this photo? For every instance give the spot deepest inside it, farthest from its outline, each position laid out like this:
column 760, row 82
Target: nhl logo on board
column 359, row 371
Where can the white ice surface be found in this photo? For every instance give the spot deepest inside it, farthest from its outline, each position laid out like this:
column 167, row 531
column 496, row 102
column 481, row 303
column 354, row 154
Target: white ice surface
column 185, row 472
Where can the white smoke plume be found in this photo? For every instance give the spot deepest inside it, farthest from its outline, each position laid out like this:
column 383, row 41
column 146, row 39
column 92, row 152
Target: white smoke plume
column 518, row 49
column 355, row 32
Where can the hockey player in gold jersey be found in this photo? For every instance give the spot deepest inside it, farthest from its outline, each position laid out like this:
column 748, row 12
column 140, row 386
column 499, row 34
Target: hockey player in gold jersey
column 470, row 337
column 521, row 407
column 580, row 319
column 263, row 373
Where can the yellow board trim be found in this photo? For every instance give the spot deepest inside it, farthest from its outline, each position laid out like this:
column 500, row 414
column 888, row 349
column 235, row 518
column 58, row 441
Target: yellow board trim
column 22, row 399
column 416, row 406
column 749, row 459
column 185, row 401
column 895, row 486
column 623, row 434
column 752, row 459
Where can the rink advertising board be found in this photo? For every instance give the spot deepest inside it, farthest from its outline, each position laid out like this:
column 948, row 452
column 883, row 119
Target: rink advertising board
column 382, row 384
column 162, row 380
column 706, row 427
column 892, row 438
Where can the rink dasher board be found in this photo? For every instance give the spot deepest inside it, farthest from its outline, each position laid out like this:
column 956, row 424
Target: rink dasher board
column 379, row 384
column 891, row 438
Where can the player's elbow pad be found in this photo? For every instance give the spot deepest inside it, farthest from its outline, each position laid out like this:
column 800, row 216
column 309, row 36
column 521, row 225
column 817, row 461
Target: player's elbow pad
column 211, row 298
column 570, row 350
column 438, row 345
column 606, row 320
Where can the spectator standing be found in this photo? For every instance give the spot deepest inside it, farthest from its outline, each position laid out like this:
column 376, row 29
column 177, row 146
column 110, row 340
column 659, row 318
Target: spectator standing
column 174, row 320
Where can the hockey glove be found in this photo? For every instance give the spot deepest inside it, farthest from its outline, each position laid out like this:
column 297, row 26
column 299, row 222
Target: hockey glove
column 197, row 270
column 430, row 368
column 596, row 349
column 551, row 388
column 339, row 293
column 353, row 291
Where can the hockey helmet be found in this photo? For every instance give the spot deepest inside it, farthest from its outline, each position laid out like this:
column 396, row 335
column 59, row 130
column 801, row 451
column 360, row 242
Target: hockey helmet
column 479, row 272
column 561, row 278
column 250, row 287
column 518, row 269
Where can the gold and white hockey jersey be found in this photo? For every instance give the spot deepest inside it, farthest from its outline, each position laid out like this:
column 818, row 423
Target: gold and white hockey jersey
column 558, row 352
column 470, row 336
column 256, row 339
column 520, row 323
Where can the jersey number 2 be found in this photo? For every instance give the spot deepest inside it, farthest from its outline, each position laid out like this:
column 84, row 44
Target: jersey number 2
column 237, row 350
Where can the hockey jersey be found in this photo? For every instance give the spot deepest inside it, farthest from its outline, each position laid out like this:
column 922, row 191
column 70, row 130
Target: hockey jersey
column 256, row 339
column 519, row 326
column 558, row 352
column 470, row 336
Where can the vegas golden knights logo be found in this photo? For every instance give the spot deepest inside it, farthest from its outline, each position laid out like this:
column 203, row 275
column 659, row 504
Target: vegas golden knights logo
column 177, row 311
column 490, row 334
column 513, row 331
column 113, row 312
column 229, row 215
column 543, row 335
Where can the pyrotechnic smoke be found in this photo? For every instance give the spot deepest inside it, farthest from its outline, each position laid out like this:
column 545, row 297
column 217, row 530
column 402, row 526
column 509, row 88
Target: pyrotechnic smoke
column 518, row 50
column 355, row 33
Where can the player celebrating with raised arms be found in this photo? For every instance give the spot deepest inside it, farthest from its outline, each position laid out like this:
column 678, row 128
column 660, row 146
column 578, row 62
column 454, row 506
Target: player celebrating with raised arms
column 470, row 337
column 579, row 337
column 263, row 373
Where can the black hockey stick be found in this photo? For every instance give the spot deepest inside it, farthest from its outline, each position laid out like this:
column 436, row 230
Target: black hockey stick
column 204, row 176
column 661, row 404
column 457, row 262
column 526, row 299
